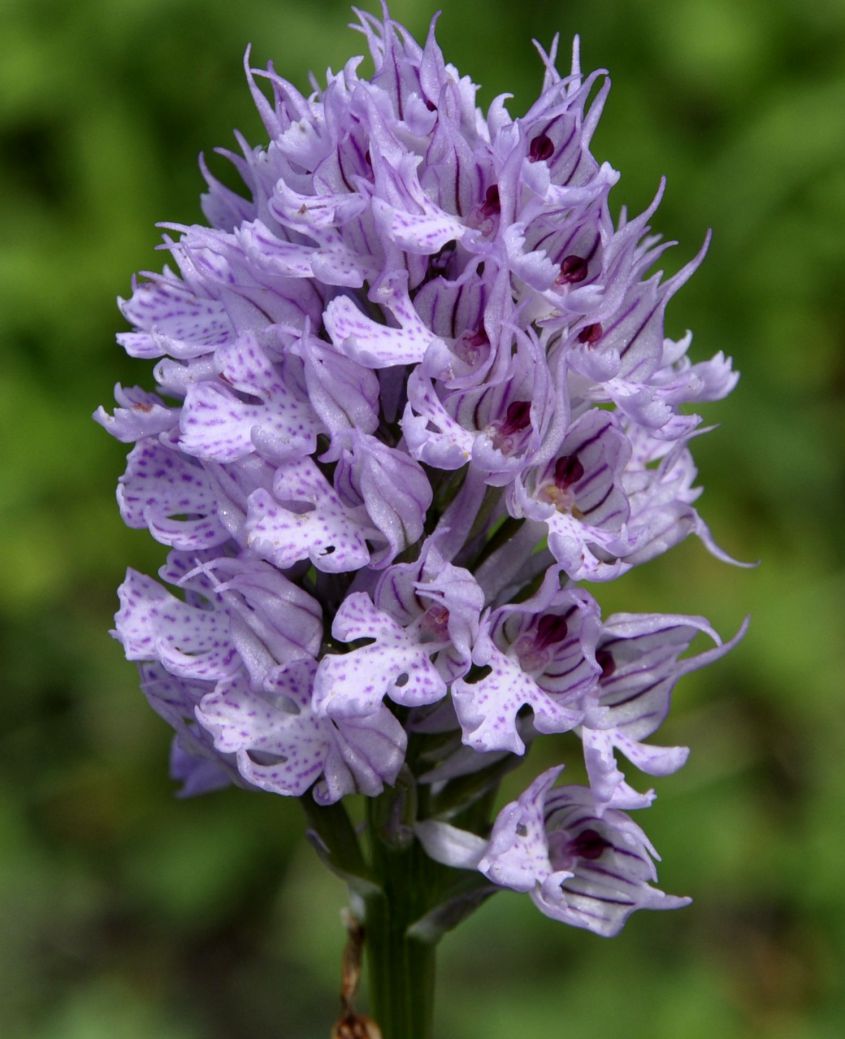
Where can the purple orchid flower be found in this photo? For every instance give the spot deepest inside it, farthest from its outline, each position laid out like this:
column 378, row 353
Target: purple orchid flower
column 412, row 389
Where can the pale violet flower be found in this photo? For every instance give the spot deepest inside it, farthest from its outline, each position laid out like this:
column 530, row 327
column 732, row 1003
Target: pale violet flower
column 412, row 395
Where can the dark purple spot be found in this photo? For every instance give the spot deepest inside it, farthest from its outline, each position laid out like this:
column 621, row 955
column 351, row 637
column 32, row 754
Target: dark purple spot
column 604, row 659
column 541, row 148
column 491, row 206
column 430, row 105
column 589, row 844
column 550, row 629
column 517, row 417
column 590, row 334
column 568, row 470
column 572, row 270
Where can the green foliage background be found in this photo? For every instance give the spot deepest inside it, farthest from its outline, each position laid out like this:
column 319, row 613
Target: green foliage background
column 125, row 913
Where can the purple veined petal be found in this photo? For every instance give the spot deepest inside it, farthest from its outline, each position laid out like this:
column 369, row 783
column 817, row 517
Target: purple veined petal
column 274, row 621
column 370, row 343
column 305, row 519
column 189, row 642
column 584, row 867
column 218, row 426
column 432, row 435
column 279, row 745
column 318, row 212
column 661, row 500
column 454, row 601
column 517, row 854
column 469, row 317
column 413, row 222
column 454, row 171
column 580, row 496
column 174, row 319
column 438, row 604
column 222, row 207
column 343, row 393
column 640, row 658
column 391, row 486
column 273, row 254
column 587, row 471
column 488, row 708
column 393, row 664
column 139, row 414
column 372, row 750
column 498, row 427
column 539, row 655
column 171, row 495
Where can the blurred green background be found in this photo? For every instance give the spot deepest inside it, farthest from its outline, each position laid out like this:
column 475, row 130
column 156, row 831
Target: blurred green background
column 126, row 913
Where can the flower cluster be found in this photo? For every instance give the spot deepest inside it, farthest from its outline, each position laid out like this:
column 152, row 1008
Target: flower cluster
column 412, row 390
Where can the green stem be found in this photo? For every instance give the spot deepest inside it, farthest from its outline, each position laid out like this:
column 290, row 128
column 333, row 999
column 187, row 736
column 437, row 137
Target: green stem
column 401, row 968
column 337, row 834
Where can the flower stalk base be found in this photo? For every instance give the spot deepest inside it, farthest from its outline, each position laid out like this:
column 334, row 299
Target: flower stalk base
column 400, row 967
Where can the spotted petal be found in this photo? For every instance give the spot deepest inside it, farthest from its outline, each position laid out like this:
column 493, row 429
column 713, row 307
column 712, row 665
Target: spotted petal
column 305, row 519
column 395, row 664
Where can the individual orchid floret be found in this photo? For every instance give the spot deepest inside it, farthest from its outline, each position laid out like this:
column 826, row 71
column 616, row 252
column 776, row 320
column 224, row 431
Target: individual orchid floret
column 218, row 425
column 580, row 497
column 497, row 428
column 365, row 467
column 273, row 621
column 282, row 746
column 188, row 641
column 421, row 622
column 583, row 867
column 538, row 655
column 170, row 494
column 640, row 656
column 139, row 414
column 304, row 518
